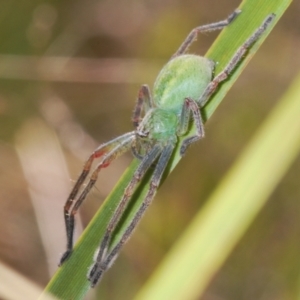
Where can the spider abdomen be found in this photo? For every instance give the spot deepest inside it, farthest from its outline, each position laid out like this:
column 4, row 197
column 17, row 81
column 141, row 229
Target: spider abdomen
column 183, row 76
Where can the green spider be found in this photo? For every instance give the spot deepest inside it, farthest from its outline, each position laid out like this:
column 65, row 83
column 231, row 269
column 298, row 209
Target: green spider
column 182, row 87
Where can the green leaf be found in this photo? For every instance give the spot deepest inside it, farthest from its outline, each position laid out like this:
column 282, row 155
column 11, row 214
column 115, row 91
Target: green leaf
column 70, row 281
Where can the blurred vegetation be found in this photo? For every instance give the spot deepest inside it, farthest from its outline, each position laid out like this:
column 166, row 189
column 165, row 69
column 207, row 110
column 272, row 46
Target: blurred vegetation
column 69, row 74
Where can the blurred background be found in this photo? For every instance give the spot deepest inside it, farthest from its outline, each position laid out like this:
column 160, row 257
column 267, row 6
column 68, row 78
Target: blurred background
column 69, row 76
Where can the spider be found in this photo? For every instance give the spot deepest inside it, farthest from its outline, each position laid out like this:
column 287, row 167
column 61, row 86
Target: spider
column 183, row 86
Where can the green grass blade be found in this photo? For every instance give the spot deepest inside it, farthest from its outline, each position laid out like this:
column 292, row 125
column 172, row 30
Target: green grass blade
column 70, row 281
column 220, row 224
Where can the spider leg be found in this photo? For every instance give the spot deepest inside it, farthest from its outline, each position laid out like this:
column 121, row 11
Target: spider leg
column 103, row 263
column 204, row 28
column 147, row 161
column 110, row 151
column 145, row 101
column 234, row 61
column 189, row 106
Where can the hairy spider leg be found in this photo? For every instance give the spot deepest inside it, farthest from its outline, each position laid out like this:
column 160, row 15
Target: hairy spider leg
column 101, row 265
column 234, row 61
column 204, row 28
column 145, row 164
column 110, row 151
column 189, row 106
column 144, row 101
